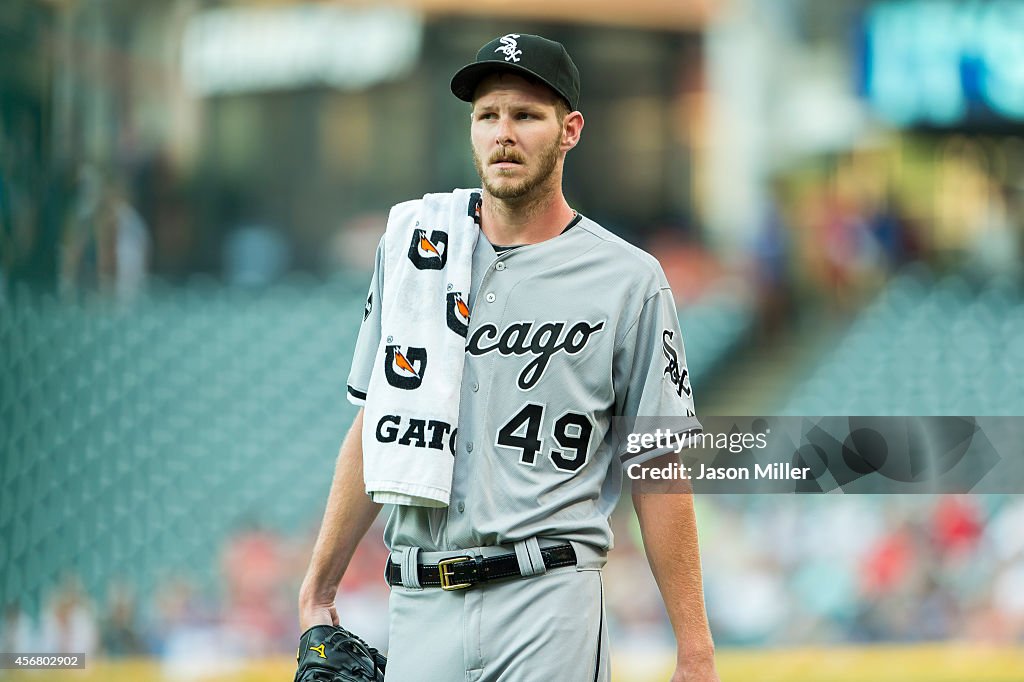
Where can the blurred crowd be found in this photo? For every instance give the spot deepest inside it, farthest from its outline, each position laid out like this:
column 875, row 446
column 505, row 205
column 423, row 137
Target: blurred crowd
column 114, row 167
column 823, row 570
column 833, row 233
column 189, row 620
column 779, row 571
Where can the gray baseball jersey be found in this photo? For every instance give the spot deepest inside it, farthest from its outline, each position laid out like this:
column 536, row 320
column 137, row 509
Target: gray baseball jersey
column 562, row 336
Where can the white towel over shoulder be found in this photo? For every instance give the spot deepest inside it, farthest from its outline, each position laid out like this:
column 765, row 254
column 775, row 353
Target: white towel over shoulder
column 412, row 406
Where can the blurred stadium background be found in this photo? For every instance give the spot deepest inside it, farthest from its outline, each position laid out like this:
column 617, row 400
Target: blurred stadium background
column 190, row 194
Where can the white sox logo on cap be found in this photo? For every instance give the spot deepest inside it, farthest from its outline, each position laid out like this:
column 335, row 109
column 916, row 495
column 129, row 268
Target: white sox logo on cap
column 509, row 47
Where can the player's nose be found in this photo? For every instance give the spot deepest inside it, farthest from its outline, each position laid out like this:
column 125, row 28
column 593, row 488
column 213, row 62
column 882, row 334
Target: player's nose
column 503, row 133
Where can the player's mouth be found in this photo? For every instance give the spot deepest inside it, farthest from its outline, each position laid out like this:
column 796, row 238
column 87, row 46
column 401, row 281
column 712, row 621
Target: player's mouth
column 506, row 160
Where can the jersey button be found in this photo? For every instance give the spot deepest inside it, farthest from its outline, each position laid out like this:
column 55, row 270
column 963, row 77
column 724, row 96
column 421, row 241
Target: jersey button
column 500, row 265
column 469, row 446
column 475, row 387
column 462, row 507
column 490, row 297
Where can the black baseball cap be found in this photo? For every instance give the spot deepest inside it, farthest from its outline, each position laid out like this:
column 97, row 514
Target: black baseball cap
column 528, row 54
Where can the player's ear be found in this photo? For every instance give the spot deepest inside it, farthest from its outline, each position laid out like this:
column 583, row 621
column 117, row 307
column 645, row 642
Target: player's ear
column 572, row 128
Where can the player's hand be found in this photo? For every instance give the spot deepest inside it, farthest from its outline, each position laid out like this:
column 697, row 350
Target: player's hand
column 700, row 670
column 317, row 614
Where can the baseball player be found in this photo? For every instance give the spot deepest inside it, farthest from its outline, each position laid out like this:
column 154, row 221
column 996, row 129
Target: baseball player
column 566, row 327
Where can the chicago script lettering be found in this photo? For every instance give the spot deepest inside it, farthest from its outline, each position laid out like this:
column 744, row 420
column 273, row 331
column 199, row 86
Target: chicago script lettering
column 544, row 342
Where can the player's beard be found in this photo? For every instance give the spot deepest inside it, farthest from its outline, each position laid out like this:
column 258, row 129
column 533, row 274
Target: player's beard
column 525, row 187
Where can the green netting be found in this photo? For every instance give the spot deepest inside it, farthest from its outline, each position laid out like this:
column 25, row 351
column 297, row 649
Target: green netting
column 926, row 346
column 134, row 438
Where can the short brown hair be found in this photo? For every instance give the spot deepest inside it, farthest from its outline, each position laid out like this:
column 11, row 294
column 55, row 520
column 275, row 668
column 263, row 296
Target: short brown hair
column 562, row 109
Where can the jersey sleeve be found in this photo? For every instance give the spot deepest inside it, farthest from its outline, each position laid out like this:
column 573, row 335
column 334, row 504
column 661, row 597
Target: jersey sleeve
column 652, row 382
column 368, row 341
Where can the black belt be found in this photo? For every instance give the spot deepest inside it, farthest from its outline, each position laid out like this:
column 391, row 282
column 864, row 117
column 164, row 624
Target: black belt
column 460, row 572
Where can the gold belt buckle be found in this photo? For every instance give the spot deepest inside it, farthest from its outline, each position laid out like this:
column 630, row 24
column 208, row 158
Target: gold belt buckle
column 446, row 571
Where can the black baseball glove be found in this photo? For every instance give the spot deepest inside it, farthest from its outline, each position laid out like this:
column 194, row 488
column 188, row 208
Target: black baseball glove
column 332, row 654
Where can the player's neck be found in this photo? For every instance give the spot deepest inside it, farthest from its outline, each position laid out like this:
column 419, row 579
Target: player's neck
column 525, row 221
